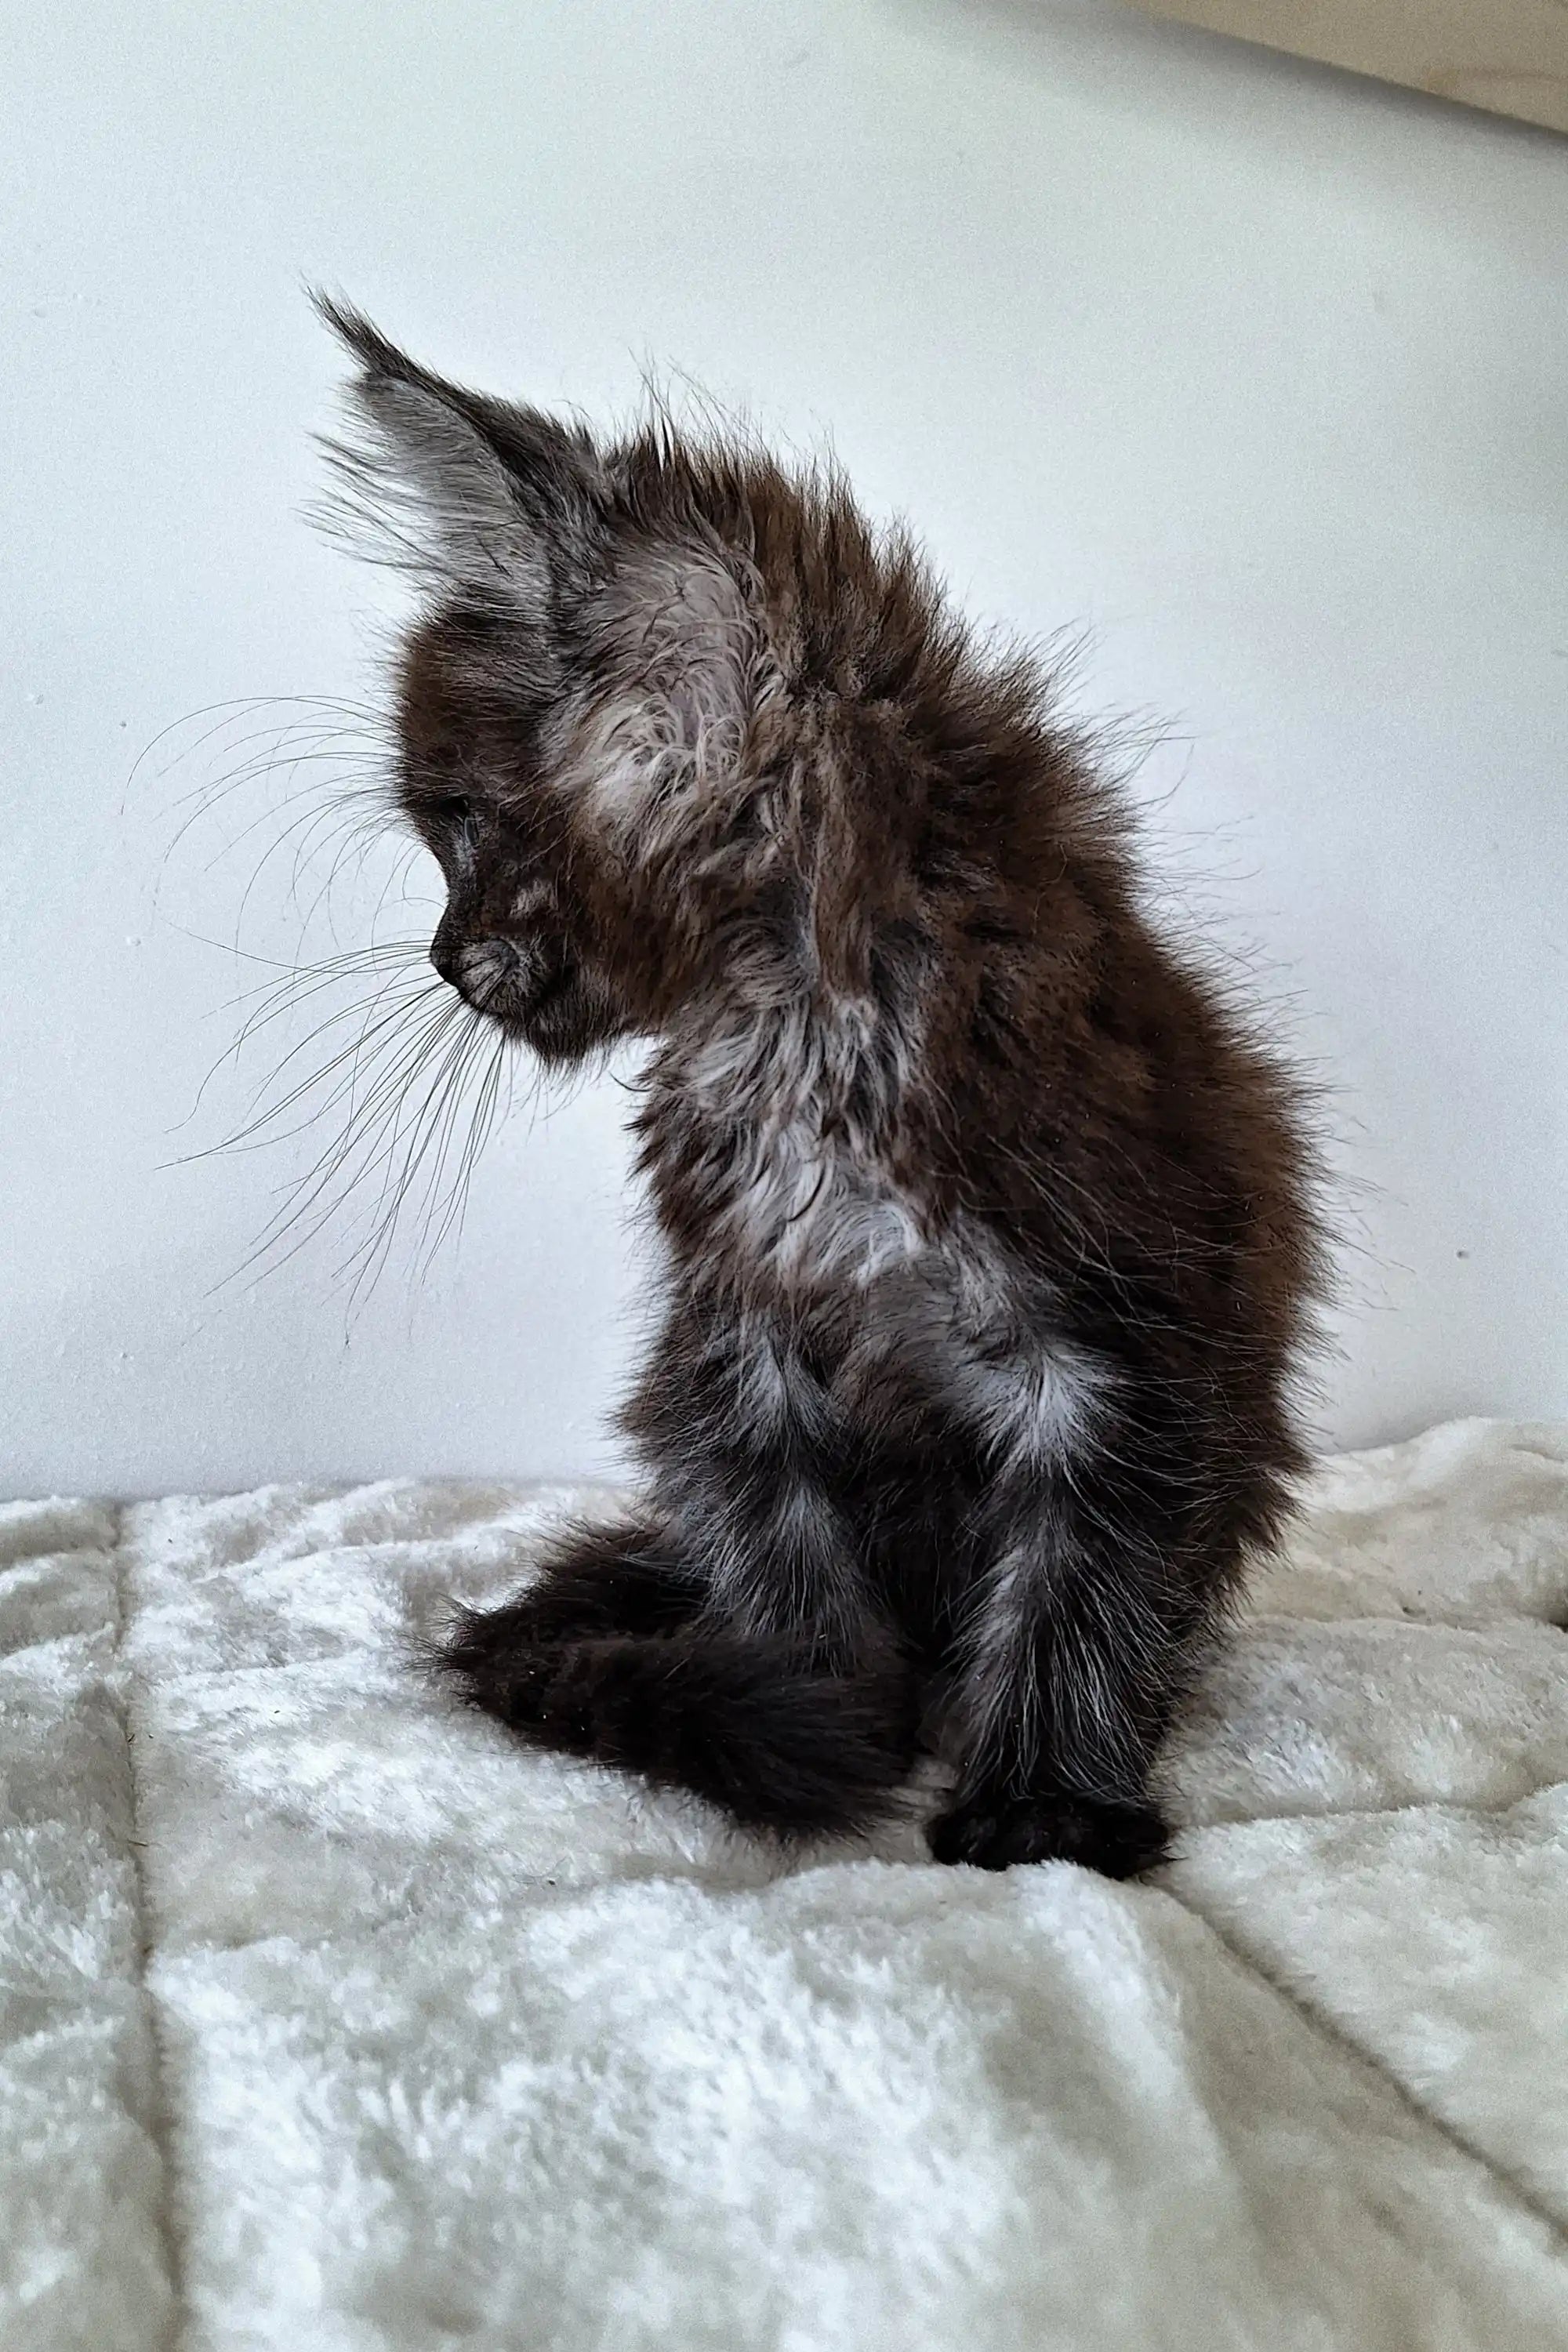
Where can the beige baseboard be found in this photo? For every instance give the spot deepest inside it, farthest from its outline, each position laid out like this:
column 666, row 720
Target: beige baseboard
column 1508, row 55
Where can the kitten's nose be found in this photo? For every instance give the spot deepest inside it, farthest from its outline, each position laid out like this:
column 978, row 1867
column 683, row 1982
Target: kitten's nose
column 445, row 953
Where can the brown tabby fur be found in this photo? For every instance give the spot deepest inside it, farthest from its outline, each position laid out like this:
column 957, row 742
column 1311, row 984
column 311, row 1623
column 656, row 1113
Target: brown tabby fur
column 986, row 1217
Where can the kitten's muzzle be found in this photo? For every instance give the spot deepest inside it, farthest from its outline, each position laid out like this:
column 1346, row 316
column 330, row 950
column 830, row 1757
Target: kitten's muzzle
column 506, row 978
column 492, row 973
column 532, row 986
column 537, row 987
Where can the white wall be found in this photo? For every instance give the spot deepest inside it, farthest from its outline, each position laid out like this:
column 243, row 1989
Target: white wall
column 1257, row 369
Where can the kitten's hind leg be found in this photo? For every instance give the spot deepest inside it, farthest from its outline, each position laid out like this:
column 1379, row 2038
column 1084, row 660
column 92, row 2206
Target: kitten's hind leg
column 595, row 1582
column 613, row 1657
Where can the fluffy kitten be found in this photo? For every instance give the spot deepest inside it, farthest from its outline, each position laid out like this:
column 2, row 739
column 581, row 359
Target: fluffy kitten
column 986, row 1220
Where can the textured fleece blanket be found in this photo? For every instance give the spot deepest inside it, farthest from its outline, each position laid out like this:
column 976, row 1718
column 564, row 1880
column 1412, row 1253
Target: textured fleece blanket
column 331, row 2021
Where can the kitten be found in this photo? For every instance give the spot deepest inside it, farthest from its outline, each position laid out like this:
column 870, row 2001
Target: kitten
column 988, row 1221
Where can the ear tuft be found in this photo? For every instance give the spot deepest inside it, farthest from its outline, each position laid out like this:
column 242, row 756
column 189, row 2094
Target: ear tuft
column 457, row 488
column 375, row 354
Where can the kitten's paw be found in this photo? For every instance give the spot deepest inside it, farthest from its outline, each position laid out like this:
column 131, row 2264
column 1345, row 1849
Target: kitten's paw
column 544, row 1693
column 600, row 1582
column 994, row 1832
column 499, row 1661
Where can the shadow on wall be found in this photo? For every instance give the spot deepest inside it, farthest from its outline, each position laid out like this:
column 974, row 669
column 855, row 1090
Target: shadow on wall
column 1110, row 55
column 1414, row 155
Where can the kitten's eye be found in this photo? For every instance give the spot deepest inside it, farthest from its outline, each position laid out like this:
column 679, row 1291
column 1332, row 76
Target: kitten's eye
column 450, row 808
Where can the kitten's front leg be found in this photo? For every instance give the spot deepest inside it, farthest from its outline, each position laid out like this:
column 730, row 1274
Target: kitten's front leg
column 1074, row 1653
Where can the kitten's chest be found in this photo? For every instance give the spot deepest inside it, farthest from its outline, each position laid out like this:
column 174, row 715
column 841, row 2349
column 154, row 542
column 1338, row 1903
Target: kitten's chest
column 771, row 1153
column 806, row 1211
column 941, row 1362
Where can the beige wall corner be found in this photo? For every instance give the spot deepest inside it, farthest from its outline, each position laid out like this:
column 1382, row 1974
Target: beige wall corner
column 1508, row 55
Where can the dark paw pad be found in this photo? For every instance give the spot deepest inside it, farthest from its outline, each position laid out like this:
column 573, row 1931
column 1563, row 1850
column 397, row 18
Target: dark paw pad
column 1118, row 1840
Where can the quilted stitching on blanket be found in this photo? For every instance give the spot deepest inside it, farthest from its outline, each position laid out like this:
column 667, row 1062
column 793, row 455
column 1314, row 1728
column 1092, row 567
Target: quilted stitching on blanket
column 329, row 2021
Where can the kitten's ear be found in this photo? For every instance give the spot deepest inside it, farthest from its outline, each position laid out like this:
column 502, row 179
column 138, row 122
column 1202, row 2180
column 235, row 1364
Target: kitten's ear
column 457, row 487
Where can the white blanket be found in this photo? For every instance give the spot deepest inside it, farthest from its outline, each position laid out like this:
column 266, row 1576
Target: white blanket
column 331, row 2021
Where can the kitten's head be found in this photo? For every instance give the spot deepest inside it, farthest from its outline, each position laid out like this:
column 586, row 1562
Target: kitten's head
column 616, row 708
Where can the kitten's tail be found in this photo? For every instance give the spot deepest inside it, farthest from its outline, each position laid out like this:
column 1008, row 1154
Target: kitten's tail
column 747, row 1722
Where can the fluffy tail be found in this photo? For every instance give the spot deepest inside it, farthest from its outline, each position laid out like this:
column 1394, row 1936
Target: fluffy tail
column 747, row 1722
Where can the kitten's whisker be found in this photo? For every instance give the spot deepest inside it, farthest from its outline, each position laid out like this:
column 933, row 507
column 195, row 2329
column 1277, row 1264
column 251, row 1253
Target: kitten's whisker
column 389, row 1073
column 266, row 1113
column 203, row 799
column 325, row 971
column 359, row 717
column 357, row 832
column 281, row 963
column 286, row 749
column 264, row 1116
column 420, row 1132
column 369, row 1042
column 480, row 1131
column 261, row 1019
column 446, row 1124
column 279, row 1000
column 339, row 809
column 481, row 1121
column 376, row 1113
